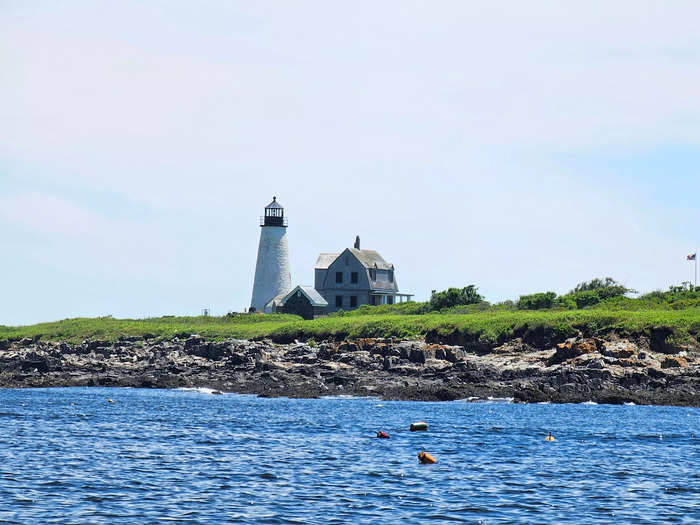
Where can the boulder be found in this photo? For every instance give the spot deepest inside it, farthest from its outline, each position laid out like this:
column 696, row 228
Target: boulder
column 618, row 350
column 193, row 341
column 660, row 341
column 348, row 346
column 32, row 362
column 390, row 362
column 674, row 362
column 571, row 349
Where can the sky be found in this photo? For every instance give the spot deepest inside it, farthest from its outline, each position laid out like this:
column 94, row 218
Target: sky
column 517, row 146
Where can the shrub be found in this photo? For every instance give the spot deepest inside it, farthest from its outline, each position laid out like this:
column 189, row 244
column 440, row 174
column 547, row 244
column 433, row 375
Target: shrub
column 455, row 297
column 605, row 288
column 536, row 301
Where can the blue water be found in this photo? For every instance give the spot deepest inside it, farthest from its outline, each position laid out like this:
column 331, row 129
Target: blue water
column 69, row 456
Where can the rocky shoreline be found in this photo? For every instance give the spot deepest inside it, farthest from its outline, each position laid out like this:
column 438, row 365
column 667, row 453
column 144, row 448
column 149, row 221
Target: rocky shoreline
column 614, row 370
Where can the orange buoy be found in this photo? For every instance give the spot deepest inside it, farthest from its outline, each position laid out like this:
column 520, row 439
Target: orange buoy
column 382, row 434
column 426, row 458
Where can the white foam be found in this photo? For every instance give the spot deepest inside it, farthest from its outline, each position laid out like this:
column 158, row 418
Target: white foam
column 589, row 403
column 500, row 399
column 200, row 389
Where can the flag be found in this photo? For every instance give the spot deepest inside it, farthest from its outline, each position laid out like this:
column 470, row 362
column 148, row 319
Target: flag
column 692, row 256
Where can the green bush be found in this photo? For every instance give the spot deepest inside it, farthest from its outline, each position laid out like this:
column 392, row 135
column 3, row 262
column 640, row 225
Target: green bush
column 536, row 301
column 455, row 297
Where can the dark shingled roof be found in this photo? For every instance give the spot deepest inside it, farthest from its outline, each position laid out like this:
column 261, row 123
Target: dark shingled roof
column 368, row 258
column 371, row 259
column 325, row 260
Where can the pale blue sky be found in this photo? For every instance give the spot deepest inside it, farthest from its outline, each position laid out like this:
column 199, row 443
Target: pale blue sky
column 517, row 146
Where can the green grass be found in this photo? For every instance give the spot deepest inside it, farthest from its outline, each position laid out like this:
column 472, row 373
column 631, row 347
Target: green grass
column 488, row 326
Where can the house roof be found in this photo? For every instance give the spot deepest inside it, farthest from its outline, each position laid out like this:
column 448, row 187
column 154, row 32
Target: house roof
column 368, row 258
column 371, row 259
column 325, row 260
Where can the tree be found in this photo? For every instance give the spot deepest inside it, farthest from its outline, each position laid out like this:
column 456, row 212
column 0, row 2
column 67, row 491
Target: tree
column 604, row 288
column 455, row 297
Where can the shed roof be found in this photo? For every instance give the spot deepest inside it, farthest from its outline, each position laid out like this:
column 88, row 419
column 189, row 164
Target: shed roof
column 315, row 298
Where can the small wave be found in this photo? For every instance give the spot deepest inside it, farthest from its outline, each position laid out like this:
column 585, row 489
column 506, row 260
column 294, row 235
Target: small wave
column 500, row 399
column 200, row 389
column 630, row 404
column 589, row 403
column 348, row 396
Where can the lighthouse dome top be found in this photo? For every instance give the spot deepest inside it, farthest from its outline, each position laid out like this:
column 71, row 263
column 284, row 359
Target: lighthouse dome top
column 274, row 214
column 274, row 204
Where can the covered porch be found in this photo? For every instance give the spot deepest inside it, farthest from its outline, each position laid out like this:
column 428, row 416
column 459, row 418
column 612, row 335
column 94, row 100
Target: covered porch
column 377, row 298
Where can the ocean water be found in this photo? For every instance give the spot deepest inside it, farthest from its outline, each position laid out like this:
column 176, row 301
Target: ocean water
column 67, row 455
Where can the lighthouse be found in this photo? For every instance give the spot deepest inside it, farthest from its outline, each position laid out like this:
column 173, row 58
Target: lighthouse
column 272, row 276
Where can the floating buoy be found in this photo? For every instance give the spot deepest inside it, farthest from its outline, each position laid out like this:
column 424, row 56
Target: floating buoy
column 110, row 401
column 549, row 437
column 419, row 425
column 426, row 459
column 382, row 434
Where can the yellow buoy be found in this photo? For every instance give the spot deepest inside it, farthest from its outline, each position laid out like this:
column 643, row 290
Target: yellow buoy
column 110, row 401
column 426, row 459
column 549, row 437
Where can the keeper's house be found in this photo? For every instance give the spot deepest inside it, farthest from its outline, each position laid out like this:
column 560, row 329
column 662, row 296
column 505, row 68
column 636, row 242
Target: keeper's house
column 356, row 277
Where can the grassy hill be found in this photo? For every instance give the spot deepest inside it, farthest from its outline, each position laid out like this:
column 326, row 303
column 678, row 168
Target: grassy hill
column 680, row 326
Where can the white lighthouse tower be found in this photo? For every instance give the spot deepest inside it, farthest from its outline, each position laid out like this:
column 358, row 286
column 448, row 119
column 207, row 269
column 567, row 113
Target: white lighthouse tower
column 272, row 276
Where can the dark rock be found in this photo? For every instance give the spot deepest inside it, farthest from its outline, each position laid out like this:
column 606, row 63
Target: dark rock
column 389, row 362
column 530, row 395
column 542, row 337
column 40, row 364
column 193, row 341
column 656, row 373
column 659, row 341
column 674, row 362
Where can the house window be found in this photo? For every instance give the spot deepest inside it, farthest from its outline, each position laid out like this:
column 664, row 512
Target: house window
column 373, row 274
column 390, row 299
column 338, row 301
column 391, row 276
column 353, row 277
column 338, row 277
column 353, row 301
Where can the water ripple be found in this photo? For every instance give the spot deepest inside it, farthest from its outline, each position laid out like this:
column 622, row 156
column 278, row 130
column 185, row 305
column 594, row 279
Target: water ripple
column 184, row 457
